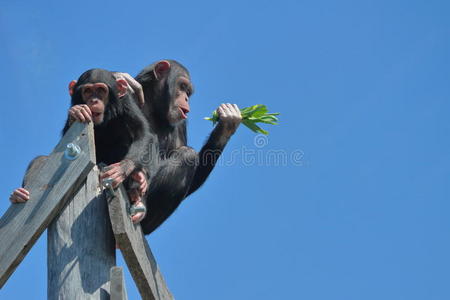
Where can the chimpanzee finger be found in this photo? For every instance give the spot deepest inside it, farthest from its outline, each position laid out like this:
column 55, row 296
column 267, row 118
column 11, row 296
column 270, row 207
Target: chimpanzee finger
column 221, row 112
column 140, row 215
column 79, row 116
column 109, row 167
column 137, row 217
column 138, row 176
column 117, row 179
column 110, row 170
column 82, row 116
column 112, row 173
column 232, row 109
column 73, row 113
column 136, row 88
column 86, row 113
column 141, row 179
column 228, row 110
column 15, row 199
column 18, row 196
column 143, row 188
column 24, row 191
column 237, row 111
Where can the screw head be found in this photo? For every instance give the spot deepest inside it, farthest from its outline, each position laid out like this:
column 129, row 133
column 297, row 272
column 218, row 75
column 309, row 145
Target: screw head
column 72, row 151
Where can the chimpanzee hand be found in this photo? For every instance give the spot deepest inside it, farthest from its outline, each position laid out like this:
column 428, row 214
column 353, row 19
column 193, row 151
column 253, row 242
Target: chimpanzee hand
column 134, row 87
column 118, row 172
column 229, row 118
column 136, row 194
column 141, row 179
column 138, row 217
column 19, row 195
column 81, row 113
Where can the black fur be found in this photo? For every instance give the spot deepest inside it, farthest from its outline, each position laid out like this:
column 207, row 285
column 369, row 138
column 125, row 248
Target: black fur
column 182, row 170
column 124, row 132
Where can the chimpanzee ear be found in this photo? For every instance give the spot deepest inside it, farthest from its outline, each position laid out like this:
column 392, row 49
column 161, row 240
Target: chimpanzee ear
column 161, row 68
column 71, row 85
column 122, row 86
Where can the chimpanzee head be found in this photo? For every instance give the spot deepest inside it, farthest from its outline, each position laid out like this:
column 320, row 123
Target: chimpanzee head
column 167, row 87
column 98, row 89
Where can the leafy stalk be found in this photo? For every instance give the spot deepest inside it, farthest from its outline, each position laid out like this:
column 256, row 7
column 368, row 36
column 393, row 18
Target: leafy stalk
column 250, row 116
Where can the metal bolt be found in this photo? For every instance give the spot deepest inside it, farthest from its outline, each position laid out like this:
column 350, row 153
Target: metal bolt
column 72, row 151
column 134, row 209
column 107, row 184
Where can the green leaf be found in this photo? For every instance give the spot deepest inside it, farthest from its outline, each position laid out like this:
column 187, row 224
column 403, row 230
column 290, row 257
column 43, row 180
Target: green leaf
column 250, row 116
column 249, row 111
column 254, row 127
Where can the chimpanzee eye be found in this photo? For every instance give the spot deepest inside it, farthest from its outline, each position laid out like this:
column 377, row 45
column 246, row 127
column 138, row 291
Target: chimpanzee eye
column 87, row 91
column 101, row 91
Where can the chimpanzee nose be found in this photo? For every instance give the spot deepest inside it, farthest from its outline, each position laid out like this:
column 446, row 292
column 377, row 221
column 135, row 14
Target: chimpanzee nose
column 93, row 101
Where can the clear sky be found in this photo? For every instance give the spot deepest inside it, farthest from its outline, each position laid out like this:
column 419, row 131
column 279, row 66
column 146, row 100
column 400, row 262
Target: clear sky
column 356, row 206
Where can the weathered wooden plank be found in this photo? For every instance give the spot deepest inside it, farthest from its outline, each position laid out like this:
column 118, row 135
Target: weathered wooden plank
column 135, row 250
column 118, row 288
column 50, row 188
column 81, row 246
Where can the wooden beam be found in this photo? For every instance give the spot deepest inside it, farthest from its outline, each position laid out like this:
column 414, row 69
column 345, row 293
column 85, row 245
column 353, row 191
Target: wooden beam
column 118, row 289
column 50, row 189
column 135, row 250
column 81, row 246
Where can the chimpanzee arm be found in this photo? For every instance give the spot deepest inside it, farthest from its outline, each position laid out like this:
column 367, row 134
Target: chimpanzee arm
column 229, row 120
column 208, row 156
column 144, row 149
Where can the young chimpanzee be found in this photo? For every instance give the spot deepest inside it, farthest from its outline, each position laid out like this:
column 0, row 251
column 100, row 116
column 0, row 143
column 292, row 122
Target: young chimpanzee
column 167, row 88
column 123, row 139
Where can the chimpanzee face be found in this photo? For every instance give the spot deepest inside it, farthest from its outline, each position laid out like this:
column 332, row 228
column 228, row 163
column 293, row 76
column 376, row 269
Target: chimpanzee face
column 96, row 96
column 180, row 105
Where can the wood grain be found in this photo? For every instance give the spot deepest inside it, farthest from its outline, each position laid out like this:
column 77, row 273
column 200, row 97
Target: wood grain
column 135, row 250
column 118, row 289
column 81, row 246
column 50, row 189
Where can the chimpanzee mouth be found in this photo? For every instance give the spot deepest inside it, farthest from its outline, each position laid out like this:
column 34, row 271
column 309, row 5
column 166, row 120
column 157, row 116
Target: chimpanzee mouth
column 184, row 112
column 96, row 114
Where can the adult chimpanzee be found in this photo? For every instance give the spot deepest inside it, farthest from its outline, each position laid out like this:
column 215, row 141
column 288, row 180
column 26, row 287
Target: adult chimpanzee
column 122, row 136
column 167, row 88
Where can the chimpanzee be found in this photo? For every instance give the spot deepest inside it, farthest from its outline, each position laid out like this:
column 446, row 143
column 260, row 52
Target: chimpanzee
column 123, row 139
column 167, row 88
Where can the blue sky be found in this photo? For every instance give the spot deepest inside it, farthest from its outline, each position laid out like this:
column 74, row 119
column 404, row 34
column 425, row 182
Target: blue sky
column 358, row 208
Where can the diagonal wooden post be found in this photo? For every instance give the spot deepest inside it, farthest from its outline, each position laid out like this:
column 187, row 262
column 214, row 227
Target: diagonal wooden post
column 66, row 197
column 50, row 188
column 135, row 250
